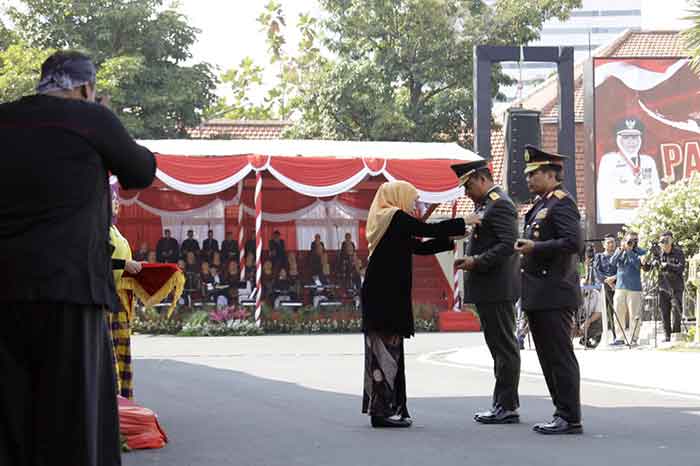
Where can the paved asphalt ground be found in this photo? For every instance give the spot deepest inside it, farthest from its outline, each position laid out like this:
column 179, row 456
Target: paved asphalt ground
column 295, row 400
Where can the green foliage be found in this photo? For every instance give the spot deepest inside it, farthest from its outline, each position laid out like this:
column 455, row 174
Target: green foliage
column 402, row 70
column 20, row 68
column 677, row 208
column 306, row 320
column 139, row 47
column 242, row 80
column 692, row 35
column 198, row 318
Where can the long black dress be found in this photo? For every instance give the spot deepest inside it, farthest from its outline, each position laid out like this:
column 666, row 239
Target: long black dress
column 387, row 313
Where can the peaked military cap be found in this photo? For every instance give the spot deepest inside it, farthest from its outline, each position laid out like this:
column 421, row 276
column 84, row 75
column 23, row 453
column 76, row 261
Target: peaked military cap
column 629, row 127
column 536, row 158
column 465, row 170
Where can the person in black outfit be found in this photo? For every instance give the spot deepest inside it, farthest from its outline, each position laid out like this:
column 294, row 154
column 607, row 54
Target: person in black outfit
column 671, row 269
column 167, row 249
column 229, row 248
column 210, row 246
column 189, row 245
column 550, row 285
column 317, row 243
column 387, row 315
column 493, row 284
column 250, row 245
column 278, row 254
column 57, row 395
column 142, row 254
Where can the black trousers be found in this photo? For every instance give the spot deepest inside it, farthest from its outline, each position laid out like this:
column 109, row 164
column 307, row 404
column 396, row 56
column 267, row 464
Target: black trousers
column 671, row 304
column 498, row 325
column 58, row 391
column 609, row 295
column 551, row 331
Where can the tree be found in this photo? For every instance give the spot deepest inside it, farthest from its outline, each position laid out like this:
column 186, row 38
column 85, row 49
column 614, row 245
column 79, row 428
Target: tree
column 692, row 35
column 676, row 209
column 242, row 80
column 20, row 67
column 402, row 69
column 139, row 47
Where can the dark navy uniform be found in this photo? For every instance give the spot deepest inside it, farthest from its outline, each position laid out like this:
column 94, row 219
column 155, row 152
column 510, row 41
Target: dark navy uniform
column 493, row 285
column 551, row 293
column 671, row 284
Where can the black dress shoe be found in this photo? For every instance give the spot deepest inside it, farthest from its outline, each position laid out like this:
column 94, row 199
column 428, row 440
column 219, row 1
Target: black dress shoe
column 558, row 426
column 498, row 416
column 380, row 421
column 486, row 413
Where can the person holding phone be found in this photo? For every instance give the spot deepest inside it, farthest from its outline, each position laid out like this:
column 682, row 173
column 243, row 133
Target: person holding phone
column 550, row 287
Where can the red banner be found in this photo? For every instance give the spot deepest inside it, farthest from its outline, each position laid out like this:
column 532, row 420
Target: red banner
column 647, row 132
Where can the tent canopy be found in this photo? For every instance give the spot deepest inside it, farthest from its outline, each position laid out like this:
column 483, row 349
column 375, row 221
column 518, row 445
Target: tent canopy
column 303, row 181
column 318, row 169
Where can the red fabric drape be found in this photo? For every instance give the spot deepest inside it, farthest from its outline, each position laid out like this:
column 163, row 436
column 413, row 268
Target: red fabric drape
column 201, row 170
column 137, row 226
column 426, row 175
column 317, row 171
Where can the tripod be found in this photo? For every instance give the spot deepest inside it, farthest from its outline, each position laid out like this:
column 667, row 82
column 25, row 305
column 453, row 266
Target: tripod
column 651, row 290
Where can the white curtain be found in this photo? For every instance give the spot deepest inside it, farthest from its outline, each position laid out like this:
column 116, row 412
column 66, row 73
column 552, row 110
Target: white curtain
column 211, row 218
column 332, row 232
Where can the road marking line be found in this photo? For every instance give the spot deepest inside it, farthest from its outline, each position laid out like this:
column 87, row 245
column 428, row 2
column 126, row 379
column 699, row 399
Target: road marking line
column 429, row 358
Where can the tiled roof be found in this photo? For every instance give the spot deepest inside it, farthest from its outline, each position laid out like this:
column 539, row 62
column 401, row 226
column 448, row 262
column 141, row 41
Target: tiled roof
column 551, row 110
column 240, row 129
column 649, row 44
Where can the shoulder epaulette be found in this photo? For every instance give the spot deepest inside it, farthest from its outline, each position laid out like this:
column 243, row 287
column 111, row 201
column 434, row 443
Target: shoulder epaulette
column 559, row 194
column 494, row 196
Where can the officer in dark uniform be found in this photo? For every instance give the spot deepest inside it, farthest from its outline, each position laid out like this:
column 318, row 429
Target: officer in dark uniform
column 493, row 284
column 671, row 269
column 550, row 285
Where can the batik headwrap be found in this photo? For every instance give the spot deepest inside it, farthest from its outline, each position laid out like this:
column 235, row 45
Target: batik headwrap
column 66, row 75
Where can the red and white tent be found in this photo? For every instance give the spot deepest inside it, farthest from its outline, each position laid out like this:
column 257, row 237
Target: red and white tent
column 301, row 180
column 300, row 187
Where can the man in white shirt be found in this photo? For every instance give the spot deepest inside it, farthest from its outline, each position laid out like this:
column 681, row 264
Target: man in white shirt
column 626, row 178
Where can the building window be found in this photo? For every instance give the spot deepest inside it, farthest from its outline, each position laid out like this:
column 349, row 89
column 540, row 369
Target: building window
column 592, row 13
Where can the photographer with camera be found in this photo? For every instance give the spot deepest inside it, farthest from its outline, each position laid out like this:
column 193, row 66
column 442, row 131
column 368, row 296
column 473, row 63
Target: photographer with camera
column 627, row 300
column 605, row 275
column 671, row 262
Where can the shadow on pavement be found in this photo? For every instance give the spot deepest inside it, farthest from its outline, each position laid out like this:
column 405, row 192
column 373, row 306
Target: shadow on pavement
column 223, row 417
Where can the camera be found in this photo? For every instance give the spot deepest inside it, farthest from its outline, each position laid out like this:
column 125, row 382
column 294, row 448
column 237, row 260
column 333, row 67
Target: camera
column 655, row 249
column 632, row 243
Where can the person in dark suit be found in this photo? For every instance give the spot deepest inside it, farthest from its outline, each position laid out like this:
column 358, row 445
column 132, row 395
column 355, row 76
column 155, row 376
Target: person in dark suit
column 551, row 294
column 387, row 317
column 167, row 249
column 278, row 253
column 57, row 395
column 493, row 284
column 229, row 248
column 189, row 244
column 210, row 246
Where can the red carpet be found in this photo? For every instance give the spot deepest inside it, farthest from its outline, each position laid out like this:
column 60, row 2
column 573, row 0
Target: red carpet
column 140, row 426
